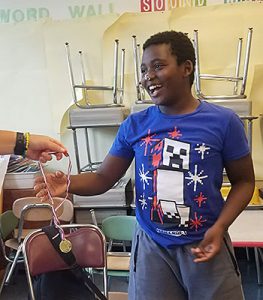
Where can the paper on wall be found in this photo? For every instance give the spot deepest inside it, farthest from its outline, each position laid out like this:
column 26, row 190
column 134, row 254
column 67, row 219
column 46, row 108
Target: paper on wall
column 4, row 160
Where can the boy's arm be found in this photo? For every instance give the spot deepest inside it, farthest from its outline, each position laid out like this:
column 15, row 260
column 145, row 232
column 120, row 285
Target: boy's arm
column 85, row 184
column 241, row 176
column 109, row 172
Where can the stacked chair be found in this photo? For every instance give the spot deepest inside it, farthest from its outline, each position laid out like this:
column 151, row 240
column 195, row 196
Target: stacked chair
column 141, row 102
column 86, row 116
column 237, row 100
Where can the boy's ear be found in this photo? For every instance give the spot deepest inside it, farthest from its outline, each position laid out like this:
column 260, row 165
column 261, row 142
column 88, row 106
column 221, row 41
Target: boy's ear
column 188, row 68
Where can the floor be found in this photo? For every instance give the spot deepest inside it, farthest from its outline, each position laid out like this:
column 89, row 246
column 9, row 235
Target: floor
column 253, row 291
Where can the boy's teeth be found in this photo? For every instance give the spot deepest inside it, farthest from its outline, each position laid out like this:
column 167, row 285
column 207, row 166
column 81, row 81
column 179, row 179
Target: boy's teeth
column 152, row 87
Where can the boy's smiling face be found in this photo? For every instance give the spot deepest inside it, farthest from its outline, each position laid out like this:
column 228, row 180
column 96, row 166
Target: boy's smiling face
column 161, row 76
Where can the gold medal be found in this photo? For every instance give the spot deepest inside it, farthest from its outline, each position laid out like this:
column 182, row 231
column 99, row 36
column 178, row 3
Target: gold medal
column 65, row 246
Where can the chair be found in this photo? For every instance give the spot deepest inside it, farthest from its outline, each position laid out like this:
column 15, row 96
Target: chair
column 238, row 93
column 26, row 211
column 115, row 89
column 88, row 246
column 118, row 228
column 8, row 223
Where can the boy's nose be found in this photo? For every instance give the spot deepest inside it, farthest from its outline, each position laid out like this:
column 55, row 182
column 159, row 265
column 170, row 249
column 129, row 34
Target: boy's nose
column 149, row 75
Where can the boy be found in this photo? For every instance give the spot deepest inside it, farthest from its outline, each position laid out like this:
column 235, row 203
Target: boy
column 181, row 248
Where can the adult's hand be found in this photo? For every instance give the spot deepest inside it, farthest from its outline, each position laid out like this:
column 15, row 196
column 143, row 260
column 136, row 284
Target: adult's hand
column 42, row 147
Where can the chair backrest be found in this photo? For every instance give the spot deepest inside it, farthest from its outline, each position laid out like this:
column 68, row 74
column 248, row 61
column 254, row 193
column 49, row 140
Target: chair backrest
column 39, row 211
column 8, row 222
column 32, row 209
column 119, row 227
column 88, row 246
column 67, row 213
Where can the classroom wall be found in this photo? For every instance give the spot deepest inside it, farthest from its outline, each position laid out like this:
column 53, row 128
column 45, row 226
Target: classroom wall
column 34, row 83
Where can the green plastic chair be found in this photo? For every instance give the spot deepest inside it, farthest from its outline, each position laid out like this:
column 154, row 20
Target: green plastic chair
column 118, row 229
column 8, row 223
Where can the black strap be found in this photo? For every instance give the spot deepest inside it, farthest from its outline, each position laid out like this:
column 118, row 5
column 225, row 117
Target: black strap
column 54, row 237
column 20, row 146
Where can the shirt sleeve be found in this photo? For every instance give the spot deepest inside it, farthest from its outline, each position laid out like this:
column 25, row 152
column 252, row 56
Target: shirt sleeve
column 235, row 142
column 121, row 146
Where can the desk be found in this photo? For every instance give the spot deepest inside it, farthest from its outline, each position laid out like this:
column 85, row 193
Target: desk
column 247, row 231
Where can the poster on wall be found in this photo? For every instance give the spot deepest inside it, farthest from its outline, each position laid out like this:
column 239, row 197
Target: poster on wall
column 17, row 11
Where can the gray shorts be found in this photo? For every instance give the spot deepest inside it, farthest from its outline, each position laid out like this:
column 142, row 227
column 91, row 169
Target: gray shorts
column 158, row 273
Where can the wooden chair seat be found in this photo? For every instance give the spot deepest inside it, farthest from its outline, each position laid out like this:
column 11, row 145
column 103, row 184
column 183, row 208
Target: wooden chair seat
column 12, row 244
column 118, row 262
column 118, row 296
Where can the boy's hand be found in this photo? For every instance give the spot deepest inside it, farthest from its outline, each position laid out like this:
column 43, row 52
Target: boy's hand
column 209, row 246
column 56, row 184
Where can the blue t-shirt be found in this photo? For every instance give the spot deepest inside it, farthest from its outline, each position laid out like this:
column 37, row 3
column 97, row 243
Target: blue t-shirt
column 179, row 161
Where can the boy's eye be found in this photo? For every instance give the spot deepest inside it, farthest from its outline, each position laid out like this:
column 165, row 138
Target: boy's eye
column 157, row 66
column 143, row 71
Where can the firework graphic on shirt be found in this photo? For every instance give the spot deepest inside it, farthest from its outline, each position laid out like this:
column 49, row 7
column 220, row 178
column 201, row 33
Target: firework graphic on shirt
column 202, row 149
column 175, row 134
column 200, row 199
column 196, row 177
column 196, row 222
column 143, row 176
column 148, row 141
column 143, row 201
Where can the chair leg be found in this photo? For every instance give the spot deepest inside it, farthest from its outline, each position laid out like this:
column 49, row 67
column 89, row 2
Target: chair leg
column 4, row 277
column 13, row 265
column 247, row 253
column 124, row 246
column 260, row 254
column 257, row 265
column 29, row 279
column 30, row 284
column 109, row 281
column 110, row 245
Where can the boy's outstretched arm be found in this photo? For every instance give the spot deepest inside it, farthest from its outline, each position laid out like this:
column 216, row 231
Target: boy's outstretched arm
column 85, row 184
column 241, row 176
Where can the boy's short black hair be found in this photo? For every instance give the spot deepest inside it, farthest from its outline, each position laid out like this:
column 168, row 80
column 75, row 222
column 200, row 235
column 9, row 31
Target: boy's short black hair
column 181, row 46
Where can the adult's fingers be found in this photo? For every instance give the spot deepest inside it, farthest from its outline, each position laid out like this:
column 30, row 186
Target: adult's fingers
column 45, row 156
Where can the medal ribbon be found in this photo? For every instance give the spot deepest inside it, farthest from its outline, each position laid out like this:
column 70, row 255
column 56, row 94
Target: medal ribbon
column 55, row 218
